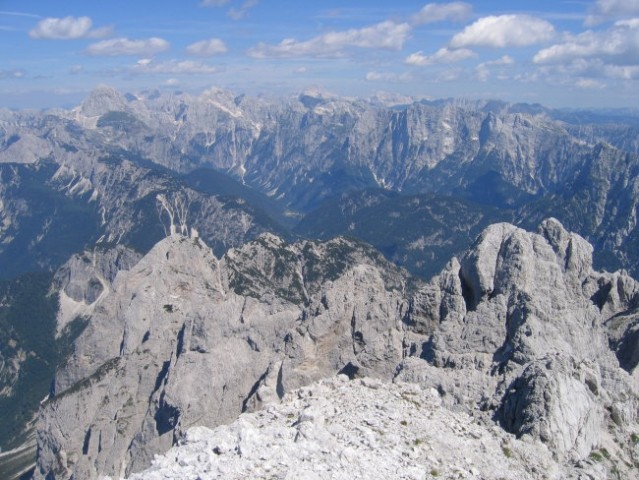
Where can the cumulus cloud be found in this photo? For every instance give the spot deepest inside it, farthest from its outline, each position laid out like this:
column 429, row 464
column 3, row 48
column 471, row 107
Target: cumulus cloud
column 68, row 28
column 443, row 55
column 590, row 69
column 438, row 12
column 483, row 70
column 384, row 35
column 207, row 48
column 505, row 60
column 240, row 13
column 173, row 67
column 609, row 9
column 594, row 55
column 617, row 46
column 124, row 46
column 504, row 31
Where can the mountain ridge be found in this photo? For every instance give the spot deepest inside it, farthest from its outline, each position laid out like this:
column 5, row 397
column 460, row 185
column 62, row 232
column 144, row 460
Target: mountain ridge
column 515, row 332
column 303, row 152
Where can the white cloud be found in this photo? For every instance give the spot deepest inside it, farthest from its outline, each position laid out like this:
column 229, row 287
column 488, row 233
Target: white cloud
column 617, row 7
column 377, row 76
column 590, row 84
column 443, row 55
column 483, row 70
column 172, row 67
column 124, row 46
column 68, row 28
column 610, row 9
column 505, row 60
column 438, row 12
column 213, row 3
column 593, row 56
column 384, row 35
column 207, row 48
column 388, row 77
column 630, row 23
column 504, row 31
column 619, row 45
column 172, row 82
column 240, row 13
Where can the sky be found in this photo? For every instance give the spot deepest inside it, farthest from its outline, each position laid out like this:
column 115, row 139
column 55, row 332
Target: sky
column 573, row 53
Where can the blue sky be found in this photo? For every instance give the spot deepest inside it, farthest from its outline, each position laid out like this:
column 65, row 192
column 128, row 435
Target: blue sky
column 558, row 53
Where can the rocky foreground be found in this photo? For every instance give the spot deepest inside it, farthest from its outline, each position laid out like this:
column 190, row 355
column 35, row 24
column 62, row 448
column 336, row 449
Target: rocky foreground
column 520, row 339
column 363, row 428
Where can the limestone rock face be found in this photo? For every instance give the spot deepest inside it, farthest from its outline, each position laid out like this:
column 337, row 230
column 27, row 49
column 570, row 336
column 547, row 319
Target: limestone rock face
column 185, row 339
column 524, row 329
column 520, row 333
column 87, row 277
column 102, row 100
column 556, row 401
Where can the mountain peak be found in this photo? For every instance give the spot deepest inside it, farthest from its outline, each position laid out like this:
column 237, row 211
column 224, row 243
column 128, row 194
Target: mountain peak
column 101, row 100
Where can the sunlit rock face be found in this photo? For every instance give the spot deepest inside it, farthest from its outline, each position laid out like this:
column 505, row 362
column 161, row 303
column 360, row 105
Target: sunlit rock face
column 518, row 333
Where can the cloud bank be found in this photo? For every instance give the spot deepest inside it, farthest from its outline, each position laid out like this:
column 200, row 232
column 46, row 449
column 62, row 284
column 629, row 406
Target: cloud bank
column 504, row 31
column 207, row 48
column 438, row 12
column 124, row 46
column 384, row 35
column 68, row 28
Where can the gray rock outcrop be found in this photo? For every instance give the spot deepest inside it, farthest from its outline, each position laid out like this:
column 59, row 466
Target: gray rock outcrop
column 364, row 428
column 516, row 333
column 174, row 345
column 528, row 341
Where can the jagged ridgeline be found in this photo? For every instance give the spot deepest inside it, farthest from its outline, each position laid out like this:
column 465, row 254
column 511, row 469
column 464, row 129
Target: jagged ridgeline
column 520, row 333
column 273, row 199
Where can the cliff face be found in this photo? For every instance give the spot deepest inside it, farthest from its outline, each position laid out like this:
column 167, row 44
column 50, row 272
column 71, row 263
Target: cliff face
column 519, row 331
column 185, row 339
column 528, row 339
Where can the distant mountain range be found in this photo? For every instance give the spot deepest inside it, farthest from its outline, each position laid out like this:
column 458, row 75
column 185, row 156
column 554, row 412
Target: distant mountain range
column 71, row 178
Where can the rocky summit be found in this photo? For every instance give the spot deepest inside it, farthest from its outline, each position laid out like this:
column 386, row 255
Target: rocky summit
column 519, row 352
column 346, row 430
